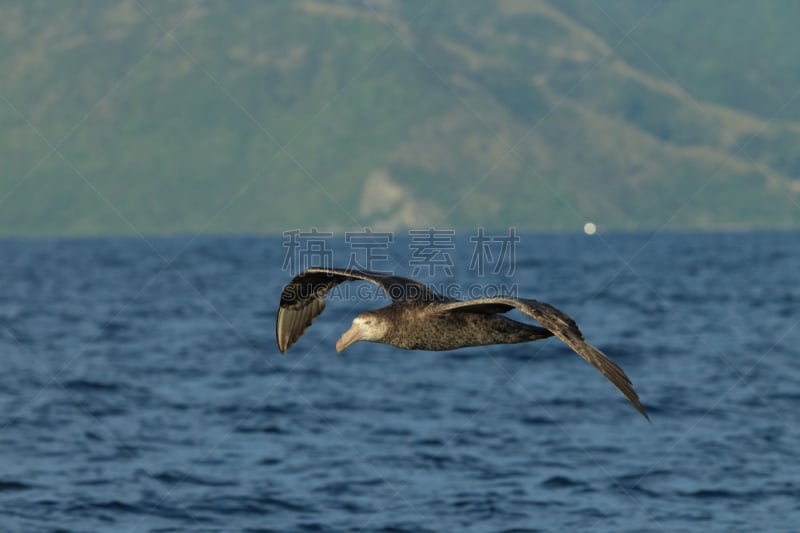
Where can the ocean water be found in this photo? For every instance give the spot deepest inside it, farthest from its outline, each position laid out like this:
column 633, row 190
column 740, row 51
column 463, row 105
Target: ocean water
column 142, row 390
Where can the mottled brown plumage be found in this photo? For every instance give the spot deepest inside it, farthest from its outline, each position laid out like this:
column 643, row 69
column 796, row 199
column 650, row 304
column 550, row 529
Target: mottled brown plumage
column 421, row 319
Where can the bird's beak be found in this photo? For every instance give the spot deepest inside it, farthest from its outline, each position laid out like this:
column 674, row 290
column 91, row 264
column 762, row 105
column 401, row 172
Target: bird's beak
column 349, row 337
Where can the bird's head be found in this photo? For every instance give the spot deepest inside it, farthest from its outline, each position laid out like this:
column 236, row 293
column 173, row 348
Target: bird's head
column 366, row 327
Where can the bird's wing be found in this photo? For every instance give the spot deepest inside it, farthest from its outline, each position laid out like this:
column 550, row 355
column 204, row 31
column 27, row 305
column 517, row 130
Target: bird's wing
column 303, row 298
column 563, row 327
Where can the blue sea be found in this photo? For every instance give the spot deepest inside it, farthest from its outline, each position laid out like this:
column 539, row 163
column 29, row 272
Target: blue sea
column 142, row 390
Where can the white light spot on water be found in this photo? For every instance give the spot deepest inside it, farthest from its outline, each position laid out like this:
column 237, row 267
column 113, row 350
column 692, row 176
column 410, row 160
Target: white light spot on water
column 589, row 228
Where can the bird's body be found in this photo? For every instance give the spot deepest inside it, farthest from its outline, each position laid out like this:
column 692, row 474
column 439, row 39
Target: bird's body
column 421, row 319
column 437, row 331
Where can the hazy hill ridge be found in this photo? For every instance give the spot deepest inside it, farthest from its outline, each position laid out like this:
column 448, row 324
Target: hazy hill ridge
column 153, row 117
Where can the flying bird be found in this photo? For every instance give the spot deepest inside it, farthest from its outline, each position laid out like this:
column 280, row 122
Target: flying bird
column 419, row 318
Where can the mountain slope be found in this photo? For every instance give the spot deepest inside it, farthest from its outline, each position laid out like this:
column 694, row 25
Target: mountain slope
column 253, row 117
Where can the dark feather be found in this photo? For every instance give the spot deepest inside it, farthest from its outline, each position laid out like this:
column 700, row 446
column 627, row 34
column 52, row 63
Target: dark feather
column 563, row 327
column 419, row 318
column 303, row 298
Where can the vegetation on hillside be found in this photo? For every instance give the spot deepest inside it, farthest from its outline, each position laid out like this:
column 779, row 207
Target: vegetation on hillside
column 184, row 116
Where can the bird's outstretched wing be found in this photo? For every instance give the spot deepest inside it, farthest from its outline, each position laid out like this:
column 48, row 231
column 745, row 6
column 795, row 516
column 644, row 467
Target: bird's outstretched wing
column 563, row 327
column 303, row 298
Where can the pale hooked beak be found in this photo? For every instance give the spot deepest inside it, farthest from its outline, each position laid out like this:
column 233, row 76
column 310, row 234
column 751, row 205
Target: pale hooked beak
column 348, row 337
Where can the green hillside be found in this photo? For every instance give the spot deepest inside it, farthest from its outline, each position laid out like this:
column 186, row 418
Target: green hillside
column 185, row 116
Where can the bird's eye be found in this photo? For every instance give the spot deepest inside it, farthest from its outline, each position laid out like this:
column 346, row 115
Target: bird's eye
column 368, row 322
